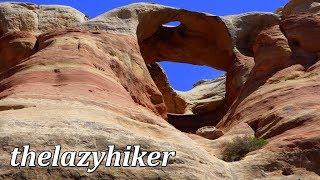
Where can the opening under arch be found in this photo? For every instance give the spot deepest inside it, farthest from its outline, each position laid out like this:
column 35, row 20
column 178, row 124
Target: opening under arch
column 184, row 76
column 192, row 93
column 193, row 38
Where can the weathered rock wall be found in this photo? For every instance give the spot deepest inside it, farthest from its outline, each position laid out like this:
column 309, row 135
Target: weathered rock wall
column 85, row 84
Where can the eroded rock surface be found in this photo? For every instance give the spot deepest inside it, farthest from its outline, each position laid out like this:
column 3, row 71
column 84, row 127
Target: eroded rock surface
column 209, row 132
column 86, row 84
column 244, row 28
column 97, row 92
column 38, row 18
column 206, row 96
column 175, row 103
column 300, row 6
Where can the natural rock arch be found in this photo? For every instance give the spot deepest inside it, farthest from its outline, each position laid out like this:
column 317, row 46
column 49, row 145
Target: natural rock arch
column 218, row 42
column 285, row 109
column 204, row 37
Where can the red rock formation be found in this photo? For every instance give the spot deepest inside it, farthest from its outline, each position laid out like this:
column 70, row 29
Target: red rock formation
column 212, row 48
column 175, row 103
column 85, row 84
column 300, row 6
column 303, row 31
column 279, row 99
column 15, row 47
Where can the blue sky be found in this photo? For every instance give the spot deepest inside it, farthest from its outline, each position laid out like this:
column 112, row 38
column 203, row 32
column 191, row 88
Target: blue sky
column 181, row 76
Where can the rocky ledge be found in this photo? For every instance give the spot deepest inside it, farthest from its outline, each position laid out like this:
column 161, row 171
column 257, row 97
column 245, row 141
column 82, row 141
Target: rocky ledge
column 88, row 83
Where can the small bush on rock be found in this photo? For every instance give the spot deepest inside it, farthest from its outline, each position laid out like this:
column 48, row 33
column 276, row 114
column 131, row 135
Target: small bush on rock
column 240, row 147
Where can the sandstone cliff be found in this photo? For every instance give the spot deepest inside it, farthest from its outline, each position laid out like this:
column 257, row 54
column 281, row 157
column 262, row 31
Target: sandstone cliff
column 87, row 83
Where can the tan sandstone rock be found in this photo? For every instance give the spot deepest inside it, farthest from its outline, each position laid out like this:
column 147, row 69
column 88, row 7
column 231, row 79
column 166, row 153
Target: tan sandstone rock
column 206, row 96
column 38, row 18
column 209, row 132
column 301, row 6
column 86, row 84
column 175, row 103
column 108, row 97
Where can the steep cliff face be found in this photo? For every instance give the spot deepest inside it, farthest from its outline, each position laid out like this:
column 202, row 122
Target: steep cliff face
column 85, row 84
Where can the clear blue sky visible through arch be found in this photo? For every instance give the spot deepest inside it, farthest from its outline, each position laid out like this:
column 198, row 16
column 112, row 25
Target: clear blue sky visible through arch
column 181, row 76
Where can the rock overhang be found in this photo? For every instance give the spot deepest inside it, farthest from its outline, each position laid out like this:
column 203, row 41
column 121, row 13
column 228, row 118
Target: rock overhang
column 291, row 97
column 209, row 40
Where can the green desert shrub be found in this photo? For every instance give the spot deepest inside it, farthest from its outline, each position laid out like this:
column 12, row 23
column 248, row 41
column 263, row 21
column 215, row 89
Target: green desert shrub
column 240, row 147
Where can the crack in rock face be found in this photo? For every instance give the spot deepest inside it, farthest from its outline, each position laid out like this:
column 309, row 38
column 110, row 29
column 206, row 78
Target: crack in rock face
column 88, row 83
